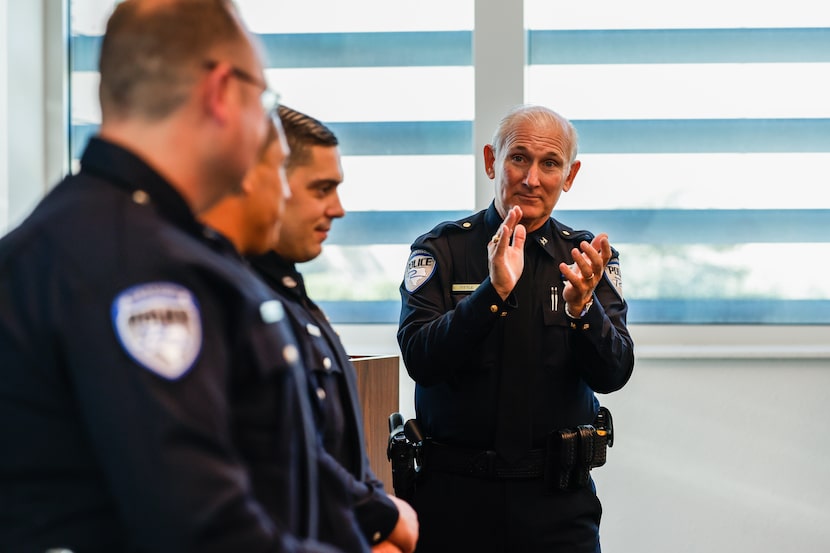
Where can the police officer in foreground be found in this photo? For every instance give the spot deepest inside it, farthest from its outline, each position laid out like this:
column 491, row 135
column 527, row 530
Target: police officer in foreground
column 314, row 175
column 151, row 385
column 510, row 322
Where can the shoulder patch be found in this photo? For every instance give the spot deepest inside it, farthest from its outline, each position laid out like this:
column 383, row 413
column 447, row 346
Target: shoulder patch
column 612, row 271
column 419, row 268
column 159, row 326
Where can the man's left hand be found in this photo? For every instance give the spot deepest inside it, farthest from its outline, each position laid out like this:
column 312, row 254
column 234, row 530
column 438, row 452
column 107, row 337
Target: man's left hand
column 585, row 273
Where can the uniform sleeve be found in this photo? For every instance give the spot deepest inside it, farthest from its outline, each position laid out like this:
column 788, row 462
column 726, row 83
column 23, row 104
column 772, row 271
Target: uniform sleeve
column 163, row 432
column 339, row 524
column 602, row 344
column 437, row 333
column 375, row 513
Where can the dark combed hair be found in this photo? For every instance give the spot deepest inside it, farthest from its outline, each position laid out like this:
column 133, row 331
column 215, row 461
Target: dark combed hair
column 150, row 56
column 302, row 132
column 271, row 136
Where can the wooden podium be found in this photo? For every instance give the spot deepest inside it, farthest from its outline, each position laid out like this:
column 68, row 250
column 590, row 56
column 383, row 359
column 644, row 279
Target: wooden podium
column 377, row 385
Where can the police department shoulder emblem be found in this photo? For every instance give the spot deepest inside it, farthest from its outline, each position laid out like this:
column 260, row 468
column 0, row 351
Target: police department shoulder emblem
column 612, row 271
column 159, row 326
column 419, row 269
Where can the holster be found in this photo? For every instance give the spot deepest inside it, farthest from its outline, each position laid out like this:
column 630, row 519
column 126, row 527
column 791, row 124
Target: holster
column 404, row 452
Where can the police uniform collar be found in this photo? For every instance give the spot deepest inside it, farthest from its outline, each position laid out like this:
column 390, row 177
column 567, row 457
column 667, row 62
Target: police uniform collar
column 492, row 218
column 221, row 242
column 542, row 236
column 124, row 169
column 280, row 272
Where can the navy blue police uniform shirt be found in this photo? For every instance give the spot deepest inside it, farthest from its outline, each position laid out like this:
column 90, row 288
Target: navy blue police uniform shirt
column 334, row 395
column 452, row 334
column 151, row 385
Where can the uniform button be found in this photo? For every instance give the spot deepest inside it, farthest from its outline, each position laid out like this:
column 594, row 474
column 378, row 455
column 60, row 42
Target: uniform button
column 586, row 326
column 494, row 308
column 327, row 364
column 321, row 393
column 290, row 353
column 504, row 313
column 289, row 282
column 141, row 197
column 466, row 224
column 376, row 537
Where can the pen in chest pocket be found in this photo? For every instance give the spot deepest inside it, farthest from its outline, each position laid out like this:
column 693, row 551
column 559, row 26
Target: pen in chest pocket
column 554, row 298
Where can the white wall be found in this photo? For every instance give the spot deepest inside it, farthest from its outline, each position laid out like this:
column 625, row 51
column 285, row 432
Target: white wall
column 719, row 455
column 721, row 442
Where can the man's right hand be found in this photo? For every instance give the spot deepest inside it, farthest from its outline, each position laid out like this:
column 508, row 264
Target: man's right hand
column 404, row 536
column 506, row 260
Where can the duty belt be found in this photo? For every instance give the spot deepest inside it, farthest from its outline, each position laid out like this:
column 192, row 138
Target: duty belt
column 564, row 464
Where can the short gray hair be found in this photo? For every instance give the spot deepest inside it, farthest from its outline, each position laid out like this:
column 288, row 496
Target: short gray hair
column 537, row 115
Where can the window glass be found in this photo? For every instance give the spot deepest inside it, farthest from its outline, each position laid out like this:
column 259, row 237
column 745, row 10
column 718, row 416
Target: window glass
column 705, row 138
column 395, row 85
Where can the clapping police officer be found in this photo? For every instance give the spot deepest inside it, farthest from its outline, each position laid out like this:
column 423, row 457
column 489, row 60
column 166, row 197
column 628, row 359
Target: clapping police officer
column 152, row 394
column 510, row 322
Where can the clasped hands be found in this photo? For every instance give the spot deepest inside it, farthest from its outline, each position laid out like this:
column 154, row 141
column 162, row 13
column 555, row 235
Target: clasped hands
column 505, row 260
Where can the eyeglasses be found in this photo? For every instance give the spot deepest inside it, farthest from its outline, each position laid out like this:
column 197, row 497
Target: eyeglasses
column 268, row 98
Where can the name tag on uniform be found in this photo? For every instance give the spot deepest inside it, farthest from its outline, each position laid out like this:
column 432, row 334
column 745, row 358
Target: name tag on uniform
column 464, row 288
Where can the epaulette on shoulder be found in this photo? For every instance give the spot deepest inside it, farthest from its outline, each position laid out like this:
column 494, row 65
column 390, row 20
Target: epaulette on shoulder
column 577, row 236
column 468, row 223
column 448, row 227
column 571, row 234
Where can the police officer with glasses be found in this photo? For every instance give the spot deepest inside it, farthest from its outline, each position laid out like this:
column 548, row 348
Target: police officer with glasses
column 152, row 391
